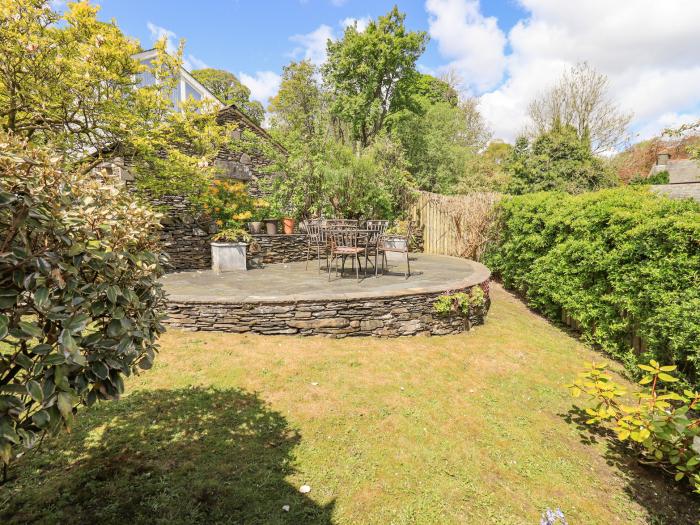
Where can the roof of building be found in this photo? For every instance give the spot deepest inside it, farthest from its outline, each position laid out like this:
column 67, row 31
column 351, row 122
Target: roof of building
column 226, row 113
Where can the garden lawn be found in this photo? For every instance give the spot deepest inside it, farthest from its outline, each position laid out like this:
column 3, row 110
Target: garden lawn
column 225, row 428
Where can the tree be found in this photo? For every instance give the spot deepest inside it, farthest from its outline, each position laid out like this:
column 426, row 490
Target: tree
column 374, row 183
column 80, row 302
column 69, row 81
column 229, row 90
column 299, row 119
column 298, row 108
column 486, row 172
column 557, row 160
column 368, row 71
column 66, row 80
column 580, row 99
column 440, row 139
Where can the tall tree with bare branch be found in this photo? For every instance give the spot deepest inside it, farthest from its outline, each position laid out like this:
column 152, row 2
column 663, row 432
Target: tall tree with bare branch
column 580, row 99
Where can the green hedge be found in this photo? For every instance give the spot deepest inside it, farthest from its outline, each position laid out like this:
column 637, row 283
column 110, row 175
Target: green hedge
column 622, row 261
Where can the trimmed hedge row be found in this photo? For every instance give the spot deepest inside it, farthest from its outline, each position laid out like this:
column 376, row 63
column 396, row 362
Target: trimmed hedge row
column 622, row 262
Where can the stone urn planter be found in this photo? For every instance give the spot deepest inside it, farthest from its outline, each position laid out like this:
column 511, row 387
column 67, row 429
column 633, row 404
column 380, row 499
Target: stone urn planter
column 271, row 226
column 255, row 227
column 228, row 256
column 288, row 225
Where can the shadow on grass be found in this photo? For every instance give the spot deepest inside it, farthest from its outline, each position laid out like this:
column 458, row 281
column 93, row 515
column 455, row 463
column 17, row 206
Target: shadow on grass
column 166, row 456
column 665, row 501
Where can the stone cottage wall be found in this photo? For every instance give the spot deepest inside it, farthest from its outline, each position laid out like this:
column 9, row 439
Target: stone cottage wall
column 185, row 236
column 392, row 316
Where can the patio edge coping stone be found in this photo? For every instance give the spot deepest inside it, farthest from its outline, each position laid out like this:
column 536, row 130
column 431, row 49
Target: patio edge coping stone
column 481, row 274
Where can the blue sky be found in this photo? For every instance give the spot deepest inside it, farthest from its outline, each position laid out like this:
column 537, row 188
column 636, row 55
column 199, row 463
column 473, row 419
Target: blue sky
column 505, row 51
column 249, row 35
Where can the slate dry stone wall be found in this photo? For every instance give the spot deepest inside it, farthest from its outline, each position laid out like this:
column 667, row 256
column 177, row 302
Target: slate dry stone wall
column 381, row 317
column 271, row 249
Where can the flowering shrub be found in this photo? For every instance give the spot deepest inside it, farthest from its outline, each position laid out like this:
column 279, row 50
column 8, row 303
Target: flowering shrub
column 624, row 263
column 80, row 304
column 229, row 204
column 661, row 427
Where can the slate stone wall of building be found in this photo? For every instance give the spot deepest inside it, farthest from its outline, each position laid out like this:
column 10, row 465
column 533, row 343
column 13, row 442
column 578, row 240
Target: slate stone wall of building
column 185, row 236
column 249, row 166
column 404, row 315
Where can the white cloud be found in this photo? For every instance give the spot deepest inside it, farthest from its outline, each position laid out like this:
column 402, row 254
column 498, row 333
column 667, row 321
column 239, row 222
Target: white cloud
column 474, row 43
column 362, row 22
column 312, row 46
column 189, row 61
column 651, row 63
column 263, row 85
column 158, row 33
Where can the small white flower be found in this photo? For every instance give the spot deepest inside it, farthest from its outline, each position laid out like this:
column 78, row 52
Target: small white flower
column 285, row 508
column 304, row 489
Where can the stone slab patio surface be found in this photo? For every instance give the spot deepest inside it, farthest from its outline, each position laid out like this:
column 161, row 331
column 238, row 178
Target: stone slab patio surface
column 278, row 283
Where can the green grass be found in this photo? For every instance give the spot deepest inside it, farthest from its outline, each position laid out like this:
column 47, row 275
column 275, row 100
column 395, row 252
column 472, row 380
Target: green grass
column 474, row 428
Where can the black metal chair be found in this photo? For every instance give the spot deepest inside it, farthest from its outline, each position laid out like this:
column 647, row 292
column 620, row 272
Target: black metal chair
column 345, row 243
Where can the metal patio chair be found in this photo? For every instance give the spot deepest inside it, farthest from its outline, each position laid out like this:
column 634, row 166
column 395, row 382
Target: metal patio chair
column 395, row 244
column 345, row 243
column 374, row 230
column 315, row 240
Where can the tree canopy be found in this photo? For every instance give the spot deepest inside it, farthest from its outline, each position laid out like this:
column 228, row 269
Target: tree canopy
column 368, row 72
column 229, row 90
column 557, row 160
column 580, row 100
column 70, row 82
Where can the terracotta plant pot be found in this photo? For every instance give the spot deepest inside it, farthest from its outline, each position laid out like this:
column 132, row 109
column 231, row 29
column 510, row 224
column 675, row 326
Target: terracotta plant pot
column 255, row 227
column 288, row 224
column 271, row 226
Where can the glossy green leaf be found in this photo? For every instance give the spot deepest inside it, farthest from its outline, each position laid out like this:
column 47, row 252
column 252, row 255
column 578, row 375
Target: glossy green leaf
column 34, row 389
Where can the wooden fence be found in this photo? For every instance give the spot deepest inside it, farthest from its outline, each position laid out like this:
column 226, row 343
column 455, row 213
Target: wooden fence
column 457, row 225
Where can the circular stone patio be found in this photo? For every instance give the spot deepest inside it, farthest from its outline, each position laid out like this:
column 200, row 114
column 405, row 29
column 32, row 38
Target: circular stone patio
column 288, row 299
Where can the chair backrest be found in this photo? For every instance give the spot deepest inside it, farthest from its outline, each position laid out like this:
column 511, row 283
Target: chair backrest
column 342, row 223
column 313, row 229
column 378, row 226
column 345, row 237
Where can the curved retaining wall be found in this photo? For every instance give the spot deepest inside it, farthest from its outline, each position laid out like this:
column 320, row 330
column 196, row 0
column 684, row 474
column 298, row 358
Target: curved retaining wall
column 402, row 313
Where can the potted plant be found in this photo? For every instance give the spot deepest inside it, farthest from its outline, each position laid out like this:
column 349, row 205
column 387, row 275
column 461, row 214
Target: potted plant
column 256, row 224
column 271, row 226
column 273, row 212
column 288, row 225
column 229, row 250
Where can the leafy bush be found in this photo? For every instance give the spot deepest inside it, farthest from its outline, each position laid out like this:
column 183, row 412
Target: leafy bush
column 661, row 177
column 557, row 160
column 80, row 305
column 622, row 262
column 659, row 427
column 461, row 304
